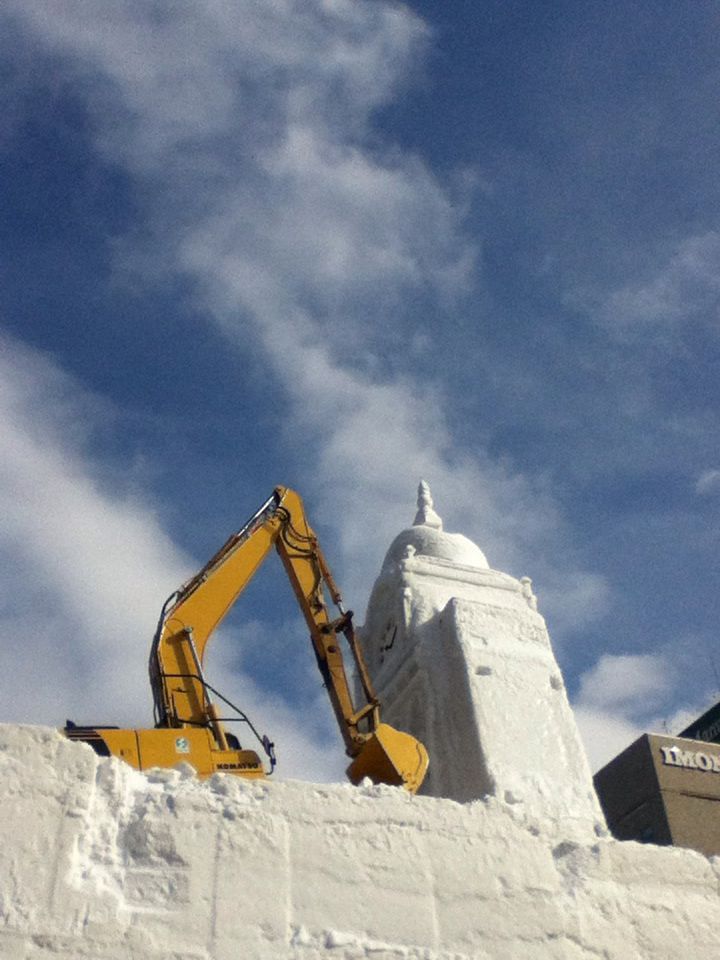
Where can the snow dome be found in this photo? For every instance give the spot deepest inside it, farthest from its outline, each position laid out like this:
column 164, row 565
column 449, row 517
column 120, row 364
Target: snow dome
column 428, row 539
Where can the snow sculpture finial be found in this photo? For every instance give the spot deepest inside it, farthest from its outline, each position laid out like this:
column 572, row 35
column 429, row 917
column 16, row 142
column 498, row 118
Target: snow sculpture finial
column 425, row 515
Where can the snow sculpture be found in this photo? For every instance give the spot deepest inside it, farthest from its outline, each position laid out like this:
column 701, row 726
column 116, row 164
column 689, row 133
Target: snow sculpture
column 426, row 515
column 461, row 658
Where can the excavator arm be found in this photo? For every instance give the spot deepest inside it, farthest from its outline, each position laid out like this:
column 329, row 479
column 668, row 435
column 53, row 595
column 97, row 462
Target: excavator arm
column 193, row 612
column 182, row 695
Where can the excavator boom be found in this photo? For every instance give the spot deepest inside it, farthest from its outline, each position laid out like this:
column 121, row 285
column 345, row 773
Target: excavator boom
column 188, row 722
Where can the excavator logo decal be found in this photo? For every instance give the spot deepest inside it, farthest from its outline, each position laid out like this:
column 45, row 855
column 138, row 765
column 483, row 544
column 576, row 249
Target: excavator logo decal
column 182, row 745
column 238, row 766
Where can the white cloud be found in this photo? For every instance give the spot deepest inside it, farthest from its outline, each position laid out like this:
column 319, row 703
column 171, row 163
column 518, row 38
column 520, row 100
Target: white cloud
column 708, row 483
column 308, row 238
column 685, row 288
column 625, row 695
column 88, row 568
column 574, row 598
column 604, row 734
column 616, row 701
column 178, row 76
column 625, row 680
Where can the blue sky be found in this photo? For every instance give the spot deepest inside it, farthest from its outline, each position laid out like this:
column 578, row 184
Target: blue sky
column 343, row 246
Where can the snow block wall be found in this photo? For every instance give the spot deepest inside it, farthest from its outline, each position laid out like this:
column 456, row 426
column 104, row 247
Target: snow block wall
column 99, row 861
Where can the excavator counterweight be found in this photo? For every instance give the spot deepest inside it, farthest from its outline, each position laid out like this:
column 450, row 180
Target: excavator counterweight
column 188, row 725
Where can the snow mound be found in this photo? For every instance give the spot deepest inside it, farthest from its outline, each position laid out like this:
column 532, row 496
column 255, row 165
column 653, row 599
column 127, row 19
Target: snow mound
column 102, row 862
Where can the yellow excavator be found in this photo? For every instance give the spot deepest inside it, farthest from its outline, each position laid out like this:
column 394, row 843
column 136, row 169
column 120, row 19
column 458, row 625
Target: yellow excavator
column 188, row 724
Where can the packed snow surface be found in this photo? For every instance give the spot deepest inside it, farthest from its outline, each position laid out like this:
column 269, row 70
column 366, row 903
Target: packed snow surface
column 100, row 861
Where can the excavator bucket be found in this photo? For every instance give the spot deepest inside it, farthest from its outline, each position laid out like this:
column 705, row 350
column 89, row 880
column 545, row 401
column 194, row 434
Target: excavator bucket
column 389, row 756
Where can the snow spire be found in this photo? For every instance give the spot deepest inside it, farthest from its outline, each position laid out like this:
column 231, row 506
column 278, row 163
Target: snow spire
column 425, row 515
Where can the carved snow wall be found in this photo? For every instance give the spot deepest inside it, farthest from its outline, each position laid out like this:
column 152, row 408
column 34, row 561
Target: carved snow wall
column 99, row 861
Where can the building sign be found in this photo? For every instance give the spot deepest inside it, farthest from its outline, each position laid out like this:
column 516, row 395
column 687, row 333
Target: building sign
column 690, row 759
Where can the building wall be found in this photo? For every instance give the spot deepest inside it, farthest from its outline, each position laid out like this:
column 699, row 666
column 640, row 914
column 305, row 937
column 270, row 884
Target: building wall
column 664, row 790
column 99, row 861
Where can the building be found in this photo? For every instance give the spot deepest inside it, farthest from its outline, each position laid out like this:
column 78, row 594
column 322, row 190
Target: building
column 664, row 790
column 706, row 727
